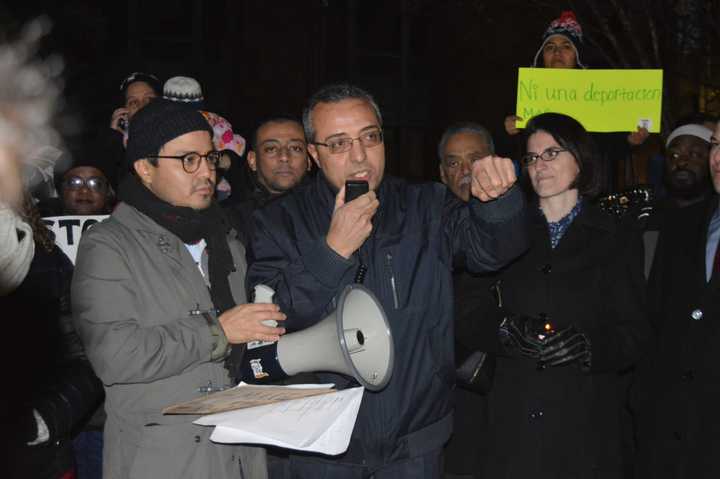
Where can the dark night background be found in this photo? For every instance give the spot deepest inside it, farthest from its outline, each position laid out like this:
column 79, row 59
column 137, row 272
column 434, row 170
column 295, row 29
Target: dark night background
column 429, row 63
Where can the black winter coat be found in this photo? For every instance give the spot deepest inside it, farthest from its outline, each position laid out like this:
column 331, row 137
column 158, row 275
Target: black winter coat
column 678, row 386
column 561, row 422
column 46, row 368
column 409, row 257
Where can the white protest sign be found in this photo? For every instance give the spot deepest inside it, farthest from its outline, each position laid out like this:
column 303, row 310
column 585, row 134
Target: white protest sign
column 68, row 230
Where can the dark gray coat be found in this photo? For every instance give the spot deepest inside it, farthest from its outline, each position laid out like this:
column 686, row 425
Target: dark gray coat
column 133, row 288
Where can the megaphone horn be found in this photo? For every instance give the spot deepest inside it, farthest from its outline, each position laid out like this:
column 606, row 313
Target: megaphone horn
column 354, row 340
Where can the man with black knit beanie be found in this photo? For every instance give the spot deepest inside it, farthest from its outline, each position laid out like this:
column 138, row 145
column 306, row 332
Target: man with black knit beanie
column 158, row 299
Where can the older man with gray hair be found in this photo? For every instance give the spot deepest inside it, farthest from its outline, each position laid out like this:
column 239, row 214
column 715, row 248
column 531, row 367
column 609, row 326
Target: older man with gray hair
column 460, row 145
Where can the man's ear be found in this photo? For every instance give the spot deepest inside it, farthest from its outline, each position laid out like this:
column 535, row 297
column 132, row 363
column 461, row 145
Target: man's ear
column 144, row 170
column 252, row 160
column 312, row 149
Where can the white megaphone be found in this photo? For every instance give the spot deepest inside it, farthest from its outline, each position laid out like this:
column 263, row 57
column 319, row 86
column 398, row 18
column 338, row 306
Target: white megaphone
column 354, row 340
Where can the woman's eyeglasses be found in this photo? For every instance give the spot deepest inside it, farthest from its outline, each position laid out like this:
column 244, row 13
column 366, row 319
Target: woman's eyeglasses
column 548, row 155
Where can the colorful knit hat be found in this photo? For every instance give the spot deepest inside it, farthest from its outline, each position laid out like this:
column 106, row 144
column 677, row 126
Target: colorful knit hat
column 223, row 136
column 567, row 26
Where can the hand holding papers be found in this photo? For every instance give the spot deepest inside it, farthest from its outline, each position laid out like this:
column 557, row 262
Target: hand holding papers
column 321, row 423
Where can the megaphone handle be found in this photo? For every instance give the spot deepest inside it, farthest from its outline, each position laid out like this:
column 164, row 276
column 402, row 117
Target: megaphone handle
column 263, row 294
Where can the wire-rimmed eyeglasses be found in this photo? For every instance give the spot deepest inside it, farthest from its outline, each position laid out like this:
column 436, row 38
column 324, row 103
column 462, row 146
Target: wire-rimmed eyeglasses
column 548, row 155
column 343, row 144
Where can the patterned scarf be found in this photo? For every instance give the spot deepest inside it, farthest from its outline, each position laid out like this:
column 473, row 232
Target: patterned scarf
column 558, row 228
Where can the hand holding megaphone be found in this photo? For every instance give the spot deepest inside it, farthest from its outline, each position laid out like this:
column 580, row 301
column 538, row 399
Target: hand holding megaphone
column 354, row 340
column 252, row 322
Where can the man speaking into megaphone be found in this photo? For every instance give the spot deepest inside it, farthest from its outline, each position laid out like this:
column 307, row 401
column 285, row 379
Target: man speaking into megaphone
column 398, row 240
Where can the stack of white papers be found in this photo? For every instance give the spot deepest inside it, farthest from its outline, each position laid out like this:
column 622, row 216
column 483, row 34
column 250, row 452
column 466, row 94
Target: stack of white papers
column 321, row 424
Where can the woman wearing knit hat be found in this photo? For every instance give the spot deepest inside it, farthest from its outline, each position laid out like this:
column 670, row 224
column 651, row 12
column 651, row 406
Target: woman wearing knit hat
column 561, row 44
column 561, row 47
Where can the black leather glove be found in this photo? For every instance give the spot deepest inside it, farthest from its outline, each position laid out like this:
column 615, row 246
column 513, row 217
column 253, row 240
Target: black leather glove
column 567, row 346
column 519, row 336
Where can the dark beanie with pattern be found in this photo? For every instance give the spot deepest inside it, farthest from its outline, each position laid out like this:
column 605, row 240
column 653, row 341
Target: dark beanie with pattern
column 567, row 26
column 159, row 122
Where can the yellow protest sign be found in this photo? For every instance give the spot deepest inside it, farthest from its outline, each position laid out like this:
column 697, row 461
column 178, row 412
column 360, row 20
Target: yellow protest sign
column 602, row 100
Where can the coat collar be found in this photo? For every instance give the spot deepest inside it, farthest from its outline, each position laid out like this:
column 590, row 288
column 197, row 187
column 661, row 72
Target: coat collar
column 167, row 243
column 591, row 217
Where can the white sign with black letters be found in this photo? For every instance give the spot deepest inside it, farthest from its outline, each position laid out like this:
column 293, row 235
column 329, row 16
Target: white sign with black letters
column 68, row 230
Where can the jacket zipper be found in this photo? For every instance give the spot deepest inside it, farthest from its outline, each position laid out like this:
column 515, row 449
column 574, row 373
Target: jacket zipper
column 388, row 263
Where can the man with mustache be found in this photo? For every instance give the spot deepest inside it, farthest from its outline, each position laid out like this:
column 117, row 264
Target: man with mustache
column 158, row 300
column 460, row 145
column 399, row 240
column 278, row 161
column 279, row 154
column 686, row 178
column 687, row 174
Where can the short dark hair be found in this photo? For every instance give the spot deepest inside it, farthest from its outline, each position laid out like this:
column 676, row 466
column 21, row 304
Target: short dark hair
column 572, row 136
column 271, row 119
column 335, row 93
column 465, row 127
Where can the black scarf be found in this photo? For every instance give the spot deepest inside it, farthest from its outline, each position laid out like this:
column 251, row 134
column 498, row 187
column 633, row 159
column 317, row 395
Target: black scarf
column 190, row 226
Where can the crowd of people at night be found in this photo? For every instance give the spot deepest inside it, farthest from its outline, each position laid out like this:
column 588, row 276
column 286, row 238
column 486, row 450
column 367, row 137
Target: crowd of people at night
column 537, row 332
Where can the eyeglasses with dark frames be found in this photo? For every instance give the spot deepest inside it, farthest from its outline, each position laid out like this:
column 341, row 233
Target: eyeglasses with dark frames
column 368, row 139
column 94, row 183
column 191, row 161
column 548, row 155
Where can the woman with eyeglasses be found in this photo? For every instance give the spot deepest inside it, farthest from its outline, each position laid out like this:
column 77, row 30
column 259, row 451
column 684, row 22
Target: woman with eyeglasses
column 573, row 322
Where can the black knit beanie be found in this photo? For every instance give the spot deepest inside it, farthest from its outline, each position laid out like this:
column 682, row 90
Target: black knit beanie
column 159, row 122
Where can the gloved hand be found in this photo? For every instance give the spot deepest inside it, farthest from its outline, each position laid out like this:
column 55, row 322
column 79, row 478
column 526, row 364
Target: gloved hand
column 567, row 346
column 519, row 336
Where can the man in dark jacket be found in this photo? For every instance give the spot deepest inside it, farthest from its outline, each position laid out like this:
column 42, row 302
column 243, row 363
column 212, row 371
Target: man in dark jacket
column 401, row 239
column 460, row 145
column 678, row 387
column 277, row 161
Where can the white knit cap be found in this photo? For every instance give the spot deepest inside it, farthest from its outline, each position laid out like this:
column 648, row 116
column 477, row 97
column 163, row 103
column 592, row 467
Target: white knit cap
column 698, row 131
column 183, row 90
